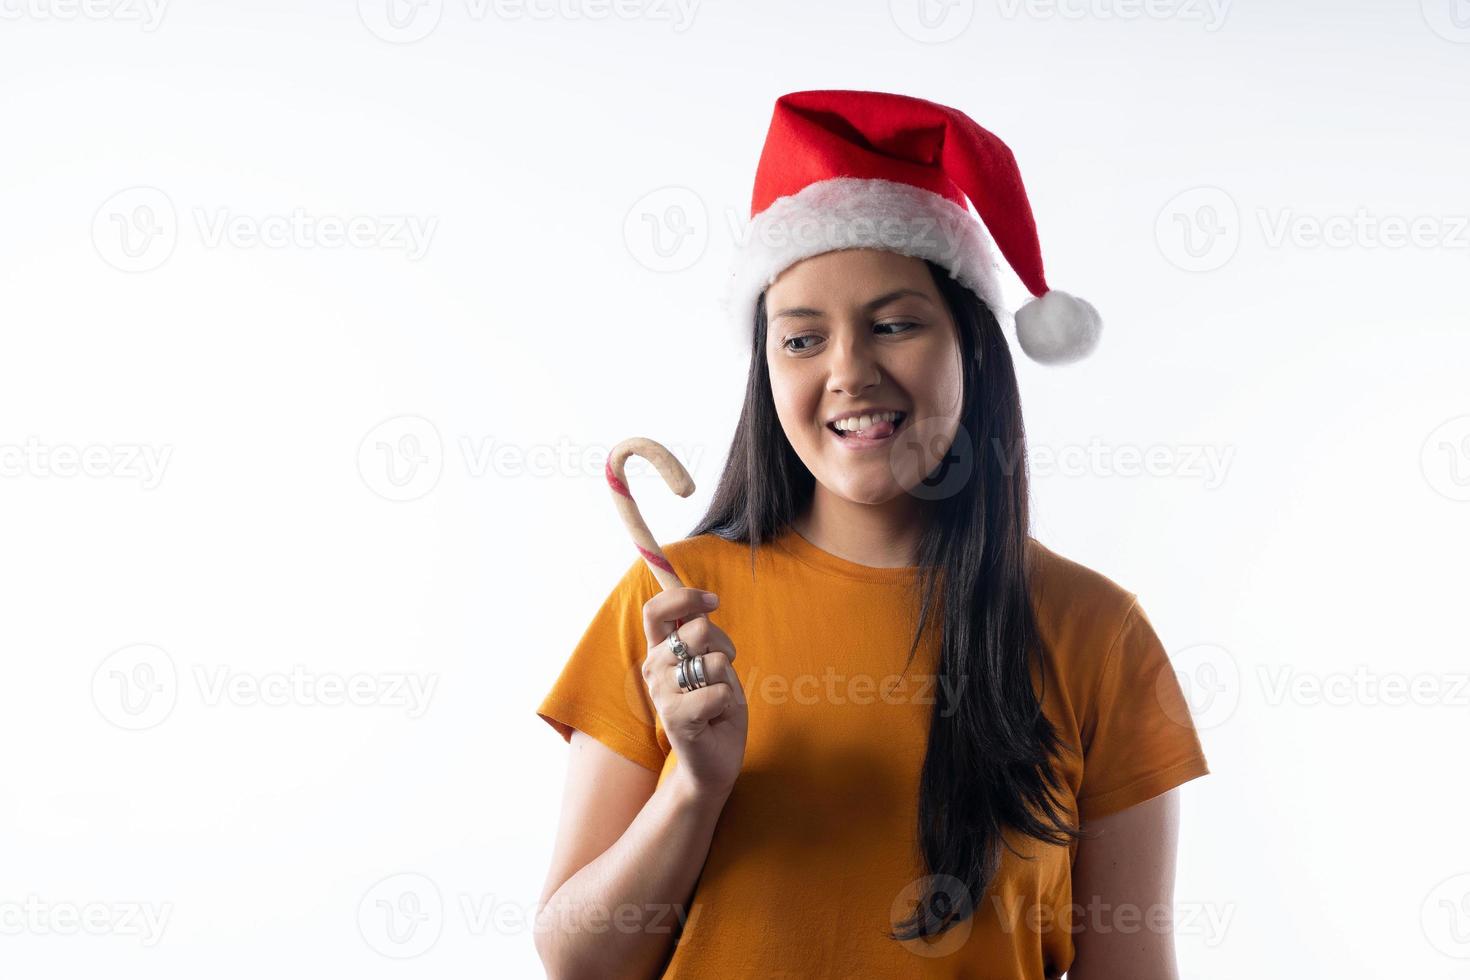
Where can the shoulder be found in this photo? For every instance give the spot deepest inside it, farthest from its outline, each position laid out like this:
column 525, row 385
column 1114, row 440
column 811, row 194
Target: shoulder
column 705, row 560
column 1080, row 612
column 1063, row 588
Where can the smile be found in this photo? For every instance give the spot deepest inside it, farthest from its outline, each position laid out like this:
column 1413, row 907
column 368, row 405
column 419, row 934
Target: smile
column 878, row 431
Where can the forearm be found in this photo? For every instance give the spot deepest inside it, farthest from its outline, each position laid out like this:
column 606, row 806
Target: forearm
column 619, row 915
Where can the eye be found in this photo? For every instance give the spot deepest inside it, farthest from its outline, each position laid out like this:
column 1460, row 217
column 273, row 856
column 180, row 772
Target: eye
column 898, row 323
column 908, row 324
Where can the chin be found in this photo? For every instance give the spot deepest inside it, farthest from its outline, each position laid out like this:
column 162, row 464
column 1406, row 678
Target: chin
column 864, row 492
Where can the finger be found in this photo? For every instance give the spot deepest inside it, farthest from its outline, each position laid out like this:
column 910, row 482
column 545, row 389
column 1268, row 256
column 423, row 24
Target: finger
column 696, row 709
column 662, row 612
column 660, row 664
column 699, row 636
column 662, row 676
column 717, row 670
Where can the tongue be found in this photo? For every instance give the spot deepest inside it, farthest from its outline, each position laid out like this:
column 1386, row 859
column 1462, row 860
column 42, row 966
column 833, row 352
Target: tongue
column 878, row 430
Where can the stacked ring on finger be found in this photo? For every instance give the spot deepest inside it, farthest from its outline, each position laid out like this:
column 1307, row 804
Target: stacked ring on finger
column 690, row 674
column 679, row 647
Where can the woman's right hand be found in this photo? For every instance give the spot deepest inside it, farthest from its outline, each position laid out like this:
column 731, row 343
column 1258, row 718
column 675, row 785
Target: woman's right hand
column 705, row 726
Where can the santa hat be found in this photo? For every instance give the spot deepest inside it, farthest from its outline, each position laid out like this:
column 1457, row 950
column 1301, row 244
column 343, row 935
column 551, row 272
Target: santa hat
column 847, row 169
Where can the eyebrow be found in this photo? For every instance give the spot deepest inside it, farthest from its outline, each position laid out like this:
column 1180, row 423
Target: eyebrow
column 806, row 312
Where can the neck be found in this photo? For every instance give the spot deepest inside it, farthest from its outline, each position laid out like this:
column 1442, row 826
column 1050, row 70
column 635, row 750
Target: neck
column 882, row 535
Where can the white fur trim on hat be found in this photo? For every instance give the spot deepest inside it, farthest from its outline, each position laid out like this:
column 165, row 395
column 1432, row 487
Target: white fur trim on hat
column 852, row 212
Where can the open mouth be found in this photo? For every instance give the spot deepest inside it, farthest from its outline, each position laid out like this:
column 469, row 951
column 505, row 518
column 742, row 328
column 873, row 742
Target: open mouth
column 878, row 430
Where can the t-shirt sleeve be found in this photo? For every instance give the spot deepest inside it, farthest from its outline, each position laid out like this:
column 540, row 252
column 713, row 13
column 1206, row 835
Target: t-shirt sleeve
column 1139, row 740
column 601, row 690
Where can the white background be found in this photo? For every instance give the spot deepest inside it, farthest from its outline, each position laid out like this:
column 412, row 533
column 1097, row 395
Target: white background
column 380, row 463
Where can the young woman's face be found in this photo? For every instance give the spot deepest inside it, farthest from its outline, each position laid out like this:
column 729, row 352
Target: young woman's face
column 864, row 329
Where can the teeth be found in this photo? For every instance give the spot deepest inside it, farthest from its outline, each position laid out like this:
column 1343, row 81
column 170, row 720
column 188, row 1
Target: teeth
column 860, row 422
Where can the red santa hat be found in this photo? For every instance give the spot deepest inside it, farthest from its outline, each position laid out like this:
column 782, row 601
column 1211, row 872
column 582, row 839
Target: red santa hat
column 848, row 169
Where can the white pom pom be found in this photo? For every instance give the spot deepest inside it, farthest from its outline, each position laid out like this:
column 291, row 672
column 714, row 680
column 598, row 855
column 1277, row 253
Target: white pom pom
column 1057, row 328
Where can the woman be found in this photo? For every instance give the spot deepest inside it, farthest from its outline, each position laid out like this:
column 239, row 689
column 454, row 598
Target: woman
column 944, row 750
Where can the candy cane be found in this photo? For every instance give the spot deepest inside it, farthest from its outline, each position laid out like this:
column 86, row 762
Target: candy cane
column 674, row 475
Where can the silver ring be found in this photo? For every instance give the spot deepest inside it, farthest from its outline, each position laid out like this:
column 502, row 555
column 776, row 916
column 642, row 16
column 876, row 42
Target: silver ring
column 690, row 674
column 678, row 646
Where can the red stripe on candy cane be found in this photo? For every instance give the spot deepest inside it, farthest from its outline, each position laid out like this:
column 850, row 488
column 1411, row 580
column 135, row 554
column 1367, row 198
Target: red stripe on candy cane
column 655, row 558
column 618, row 485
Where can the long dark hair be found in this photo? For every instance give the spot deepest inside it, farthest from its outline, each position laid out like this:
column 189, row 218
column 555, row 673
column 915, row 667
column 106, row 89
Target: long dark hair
column 988, row 764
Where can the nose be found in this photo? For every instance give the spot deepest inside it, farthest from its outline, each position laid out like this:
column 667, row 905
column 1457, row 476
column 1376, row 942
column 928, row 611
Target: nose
column 852, row 365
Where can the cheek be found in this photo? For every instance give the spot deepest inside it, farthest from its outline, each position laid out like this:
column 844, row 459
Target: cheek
column 949, row 392
column 937, row 379
column 788, row 394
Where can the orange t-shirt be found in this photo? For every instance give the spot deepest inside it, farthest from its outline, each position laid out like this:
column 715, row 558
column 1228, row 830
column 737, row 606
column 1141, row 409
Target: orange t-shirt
column 814, row 857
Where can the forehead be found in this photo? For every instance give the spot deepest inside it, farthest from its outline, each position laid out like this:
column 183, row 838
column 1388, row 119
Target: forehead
column 851, row 276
